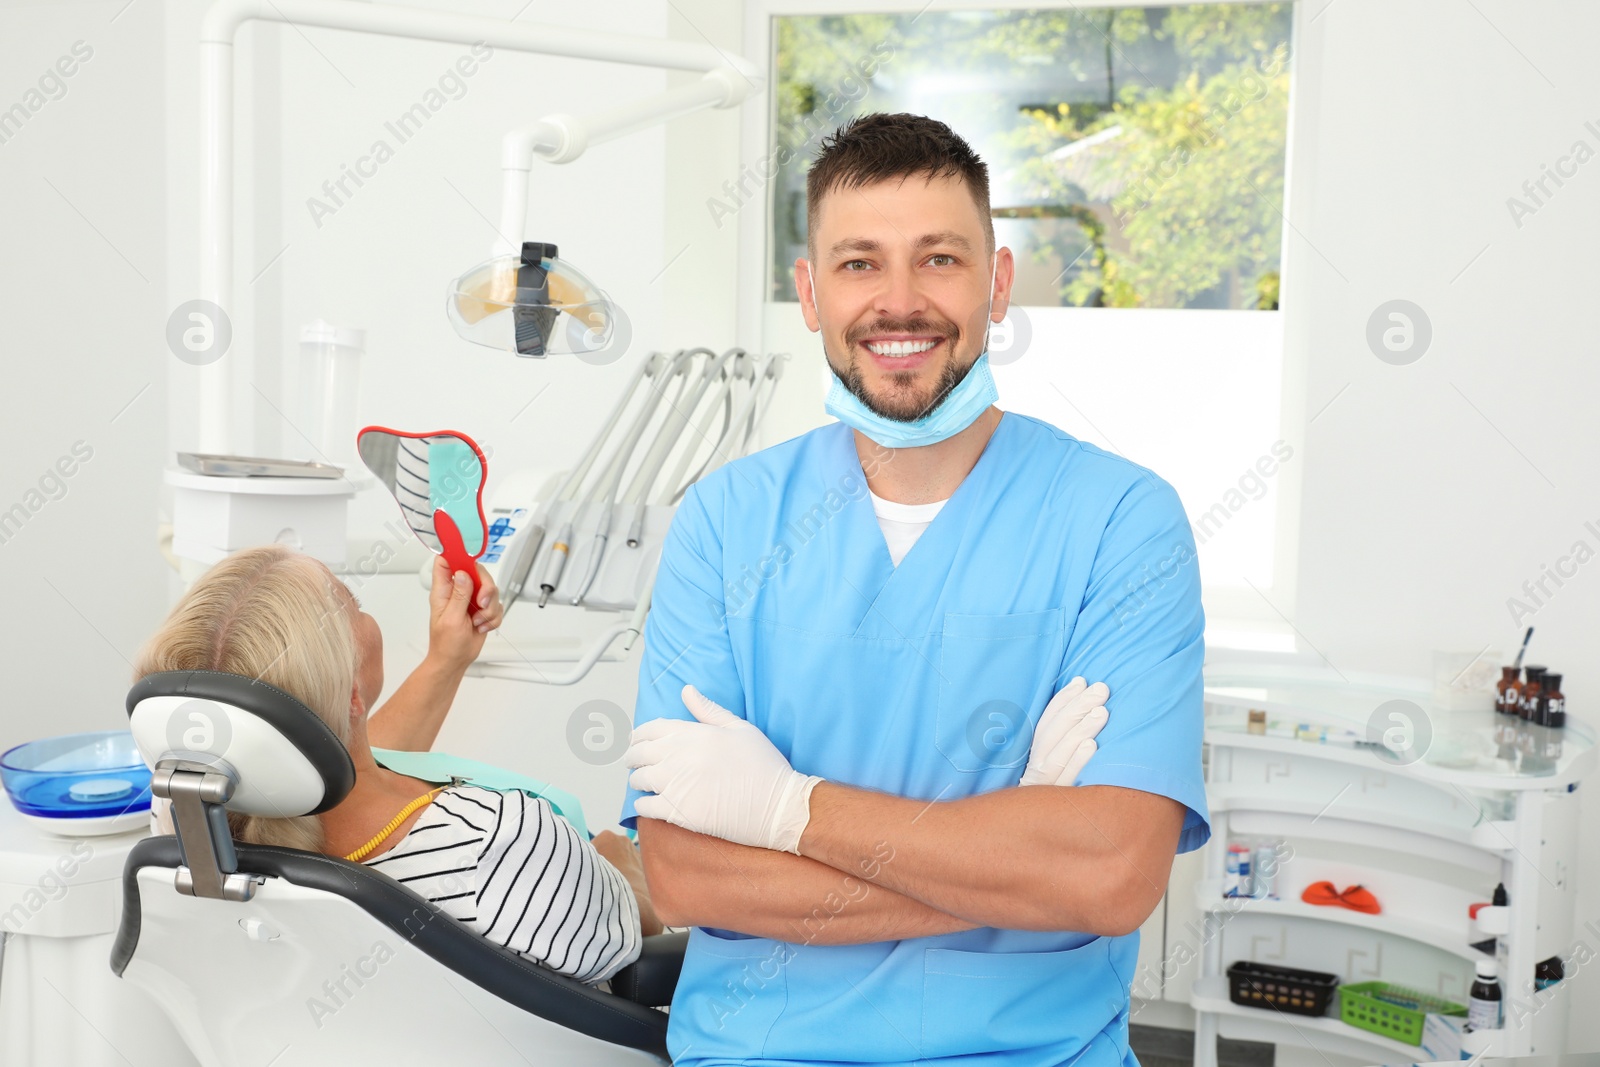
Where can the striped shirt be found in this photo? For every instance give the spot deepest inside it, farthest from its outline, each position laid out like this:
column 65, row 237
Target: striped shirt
column 506, row 865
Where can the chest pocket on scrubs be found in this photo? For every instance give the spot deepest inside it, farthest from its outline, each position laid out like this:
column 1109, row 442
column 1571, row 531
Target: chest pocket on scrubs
column 996, row 672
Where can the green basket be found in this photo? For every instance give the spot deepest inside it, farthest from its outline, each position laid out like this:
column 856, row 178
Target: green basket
column 1392, row 1010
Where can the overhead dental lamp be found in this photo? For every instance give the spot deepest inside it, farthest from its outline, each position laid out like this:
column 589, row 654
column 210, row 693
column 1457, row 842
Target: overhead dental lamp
column 533, row 304
column 485, row 306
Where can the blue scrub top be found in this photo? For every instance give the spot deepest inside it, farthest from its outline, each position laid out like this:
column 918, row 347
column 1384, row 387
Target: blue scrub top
column 777, row 598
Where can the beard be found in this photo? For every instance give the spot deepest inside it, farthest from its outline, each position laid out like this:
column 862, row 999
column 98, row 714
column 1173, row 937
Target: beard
column 905, row 403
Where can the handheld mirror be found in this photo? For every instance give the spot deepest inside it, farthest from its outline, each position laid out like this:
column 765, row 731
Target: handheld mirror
column 437, row 479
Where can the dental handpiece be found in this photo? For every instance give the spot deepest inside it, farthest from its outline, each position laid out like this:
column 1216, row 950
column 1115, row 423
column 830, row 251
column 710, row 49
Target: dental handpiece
column 519, row 567
column 602, row 534
column 555, row 565
column 600, row 540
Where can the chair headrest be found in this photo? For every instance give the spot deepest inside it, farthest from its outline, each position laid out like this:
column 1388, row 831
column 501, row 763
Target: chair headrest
column 286, row 759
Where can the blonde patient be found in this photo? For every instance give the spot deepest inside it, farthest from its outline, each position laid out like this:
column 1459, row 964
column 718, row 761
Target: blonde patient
column 500, row 861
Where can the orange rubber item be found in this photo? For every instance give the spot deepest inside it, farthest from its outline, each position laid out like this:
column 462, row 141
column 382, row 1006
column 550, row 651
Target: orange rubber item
column 1322, row 893
column 1358, row 899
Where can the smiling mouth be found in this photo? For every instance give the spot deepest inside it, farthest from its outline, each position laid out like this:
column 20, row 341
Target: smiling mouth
column 900, row 348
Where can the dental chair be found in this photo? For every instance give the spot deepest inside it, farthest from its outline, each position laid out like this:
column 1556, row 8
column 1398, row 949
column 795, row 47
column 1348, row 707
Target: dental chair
column 276, row 956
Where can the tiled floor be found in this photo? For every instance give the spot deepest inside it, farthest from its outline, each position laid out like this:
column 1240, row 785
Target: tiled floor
column 1159, row 1046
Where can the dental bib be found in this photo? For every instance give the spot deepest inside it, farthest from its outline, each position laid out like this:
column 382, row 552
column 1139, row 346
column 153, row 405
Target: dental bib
column 958, row 409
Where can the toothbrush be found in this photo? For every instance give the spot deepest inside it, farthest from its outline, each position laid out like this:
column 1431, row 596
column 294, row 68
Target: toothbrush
column 1524, row 649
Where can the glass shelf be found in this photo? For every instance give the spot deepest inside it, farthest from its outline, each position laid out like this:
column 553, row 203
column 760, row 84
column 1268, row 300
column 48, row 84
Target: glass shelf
column 1479, row 748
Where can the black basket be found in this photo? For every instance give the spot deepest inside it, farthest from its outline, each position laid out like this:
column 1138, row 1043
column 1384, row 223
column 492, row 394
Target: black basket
column 1258, row 985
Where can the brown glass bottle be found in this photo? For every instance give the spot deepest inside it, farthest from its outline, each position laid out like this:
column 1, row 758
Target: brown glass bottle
column 1552, row 703
column 1508, row 690
column 1528, row 702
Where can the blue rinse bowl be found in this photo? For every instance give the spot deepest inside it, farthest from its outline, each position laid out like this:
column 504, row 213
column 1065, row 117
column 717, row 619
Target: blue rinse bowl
column 77, row 776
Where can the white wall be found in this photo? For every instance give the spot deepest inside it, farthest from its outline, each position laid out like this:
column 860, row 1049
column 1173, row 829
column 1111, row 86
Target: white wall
column 82, row 273
column 1431, row 491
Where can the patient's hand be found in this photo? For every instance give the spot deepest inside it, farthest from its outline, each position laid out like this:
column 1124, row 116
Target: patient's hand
column 623, row 854
column 457, row 630
column 1064, row 739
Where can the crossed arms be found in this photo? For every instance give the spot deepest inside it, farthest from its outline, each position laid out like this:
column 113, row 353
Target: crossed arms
column 735, row 838
column 875, row 867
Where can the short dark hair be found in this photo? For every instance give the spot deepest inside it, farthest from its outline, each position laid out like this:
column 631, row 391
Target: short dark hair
column 871, row 148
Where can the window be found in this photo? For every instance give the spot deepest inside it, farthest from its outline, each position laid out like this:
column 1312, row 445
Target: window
column 1137, row 160
column 1136, row 154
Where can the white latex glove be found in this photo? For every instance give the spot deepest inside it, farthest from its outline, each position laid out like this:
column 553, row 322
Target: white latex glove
column 1065, row 737
column 720, row 776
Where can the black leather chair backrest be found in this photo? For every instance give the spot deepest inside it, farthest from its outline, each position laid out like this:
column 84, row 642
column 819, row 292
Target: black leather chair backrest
column 492, row 967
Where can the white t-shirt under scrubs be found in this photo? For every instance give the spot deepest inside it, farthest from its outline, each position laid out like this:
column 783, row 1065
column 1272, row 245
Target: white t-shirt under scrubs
column 902, row 524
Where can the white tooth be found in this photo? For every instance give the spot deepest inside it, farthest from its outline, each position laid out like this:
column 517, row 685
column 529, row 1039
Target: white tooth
column 900, row 348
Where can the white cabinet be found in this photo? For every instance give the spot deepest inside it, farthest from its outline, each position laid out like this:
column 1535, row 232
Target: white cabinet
column 60, row 904
column 1428, row 833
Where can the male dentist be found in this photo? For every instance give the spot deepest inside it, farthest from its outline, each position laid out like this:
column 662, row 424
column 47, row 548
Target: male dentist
column 854, row 751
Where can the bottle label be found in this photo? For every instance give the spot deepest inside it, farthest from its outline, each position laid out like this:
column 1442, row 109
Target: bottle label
column 1557, row 704
column 1483, row 1014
